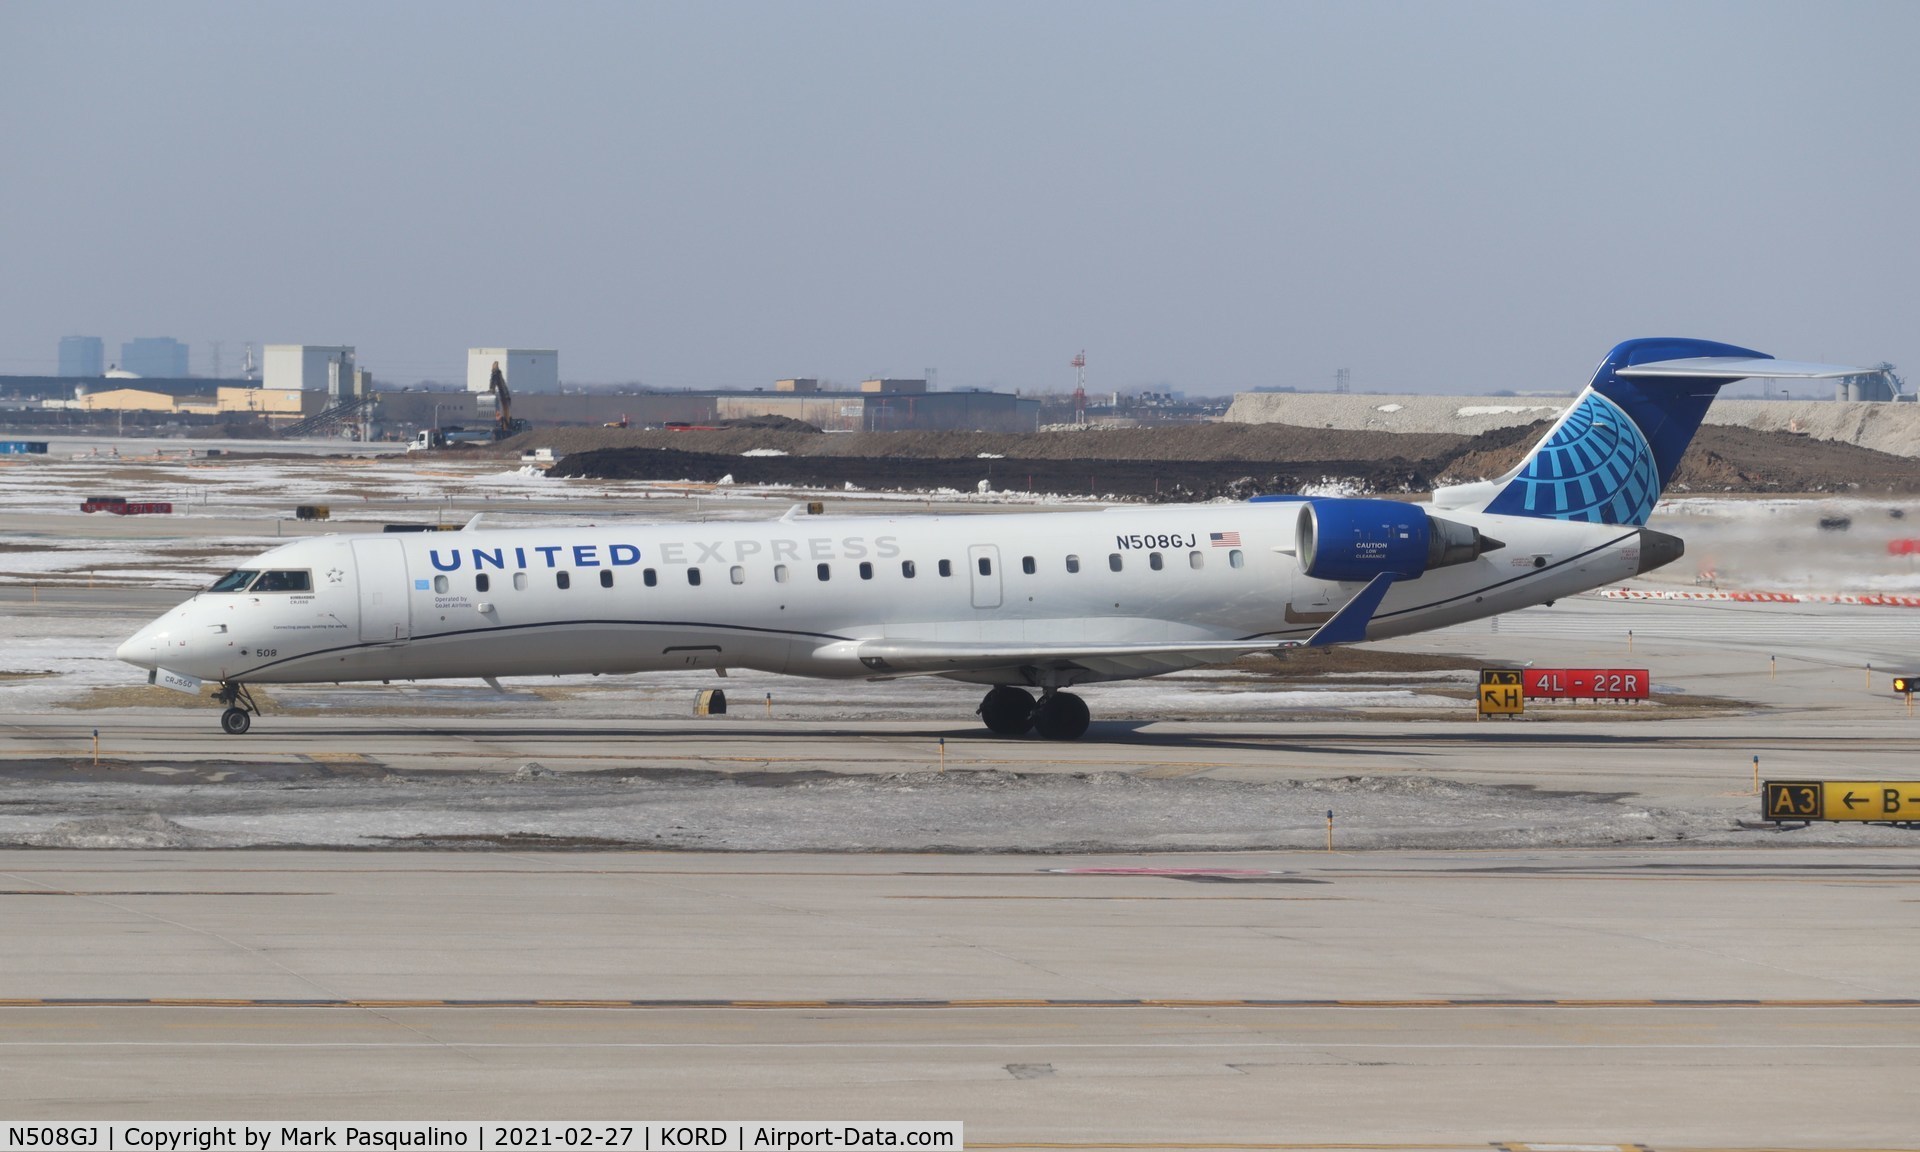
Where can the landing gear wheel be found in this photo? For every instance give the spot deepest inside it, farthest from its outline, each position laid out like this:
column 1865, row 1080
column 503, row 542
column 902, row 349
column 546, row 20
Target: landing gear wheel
column 240, row 708
column 1061, row 716
column 1007, row 711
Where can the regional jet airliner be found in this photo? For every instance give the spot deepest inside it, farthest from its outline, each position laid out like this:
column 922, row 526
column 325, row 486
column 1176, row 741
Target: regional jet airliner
column 1020, row 602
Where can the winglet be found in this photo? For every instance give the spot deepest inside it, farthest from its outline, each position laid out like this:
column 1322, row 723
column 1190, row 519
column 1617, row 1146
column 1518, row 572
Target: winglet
column 1349, row 625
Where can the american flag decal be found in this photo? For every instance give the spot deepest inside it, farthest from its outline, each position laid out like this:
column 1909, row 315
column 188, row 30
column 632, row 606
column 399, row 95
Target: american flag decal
column 1224, row 539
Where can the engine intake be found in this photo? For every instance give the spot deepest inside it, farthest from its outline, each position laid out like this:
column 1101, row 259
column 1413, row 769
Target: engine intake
column 1360, row 539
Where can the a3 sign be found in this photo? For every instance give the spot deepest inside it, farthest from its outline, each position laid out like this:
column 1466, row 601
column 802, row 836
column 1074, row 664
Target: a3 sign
column 1863, row 801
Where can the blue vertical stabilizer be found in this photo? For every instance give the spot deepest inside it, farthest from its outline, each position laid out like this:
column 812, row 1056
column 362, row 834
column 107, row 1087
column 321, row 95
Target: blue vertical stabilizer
column 1608, row 458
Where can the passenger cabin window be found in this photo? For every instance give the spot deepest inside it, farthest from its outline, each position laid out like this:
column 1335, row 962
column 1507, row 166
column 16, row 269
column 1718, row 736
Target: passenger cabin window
column 1196, row 560
column 986, row 566
column 693, row 576
column 235, row 581
column 906, row 569
column 737, row 574
column 1073, row 563
column 606, row 577
column 866, row 570
column 301, row 581
column 562, row 580
column 946, row 567
column 1113, row 561
column 649, row 577
column 481, row 582
column 1026, row 565
column 1236, row 559
column 1155, row 561
column 824, row 571
column 439, row 583
column 779, row 573
column 519, row 581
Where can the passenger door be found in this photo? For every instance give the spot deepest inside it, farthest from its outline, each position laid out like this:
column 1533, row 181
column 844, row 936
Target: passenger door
column 983, row 568
column 381, row 566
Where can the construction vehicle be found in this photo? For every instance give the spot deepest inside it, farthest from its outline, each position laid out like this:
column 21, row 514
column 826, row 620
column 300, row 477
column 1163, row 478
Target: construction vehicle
column 428, row 439
column 504, row 425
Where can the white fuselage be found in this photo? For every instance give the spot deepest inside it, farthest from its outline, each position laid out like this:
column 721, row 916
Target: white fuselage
column 796, row 595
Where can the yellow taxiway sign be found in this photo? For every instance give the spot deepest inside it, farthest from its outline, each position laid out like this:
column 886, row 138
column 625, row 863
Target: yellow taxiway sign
column 1864, row 800
column 1502, row 692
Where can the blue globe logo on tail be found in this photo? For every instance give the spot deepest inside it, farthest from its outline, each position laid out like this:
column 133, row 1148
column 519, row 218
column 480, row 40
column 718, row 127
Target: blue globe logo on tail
column 1596, row 466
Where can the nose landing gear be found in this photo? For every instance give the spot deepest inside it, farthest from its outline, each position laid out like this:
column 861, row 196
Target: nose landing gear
column 240, row 708
column 1011, row 711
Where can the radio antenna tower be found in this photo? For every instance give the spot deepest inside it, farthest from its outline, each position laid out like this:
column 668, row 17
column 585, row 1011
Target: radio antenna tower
column 1342, row 379
column 1080, row 387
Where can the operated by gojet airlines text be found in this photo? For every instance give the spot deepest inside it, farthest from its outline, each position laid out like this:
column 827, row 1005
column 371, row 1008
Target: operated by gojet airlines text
column 627, row 1136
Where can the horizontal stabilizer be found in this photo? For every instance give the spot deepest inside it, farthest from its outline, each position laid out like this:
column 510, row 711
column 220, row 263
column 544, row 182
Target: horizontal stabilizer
column 1739, row 367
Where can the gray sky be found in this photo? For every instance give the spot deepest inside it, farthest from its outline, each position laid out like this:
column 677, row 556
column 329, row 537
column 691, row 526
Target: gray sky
column 1451, row 197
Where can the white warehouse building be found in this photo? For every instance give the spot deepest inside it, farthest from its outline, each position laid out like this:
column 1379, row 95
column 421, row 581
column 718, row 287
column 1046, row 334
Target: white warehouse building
column 529, row 371
column 325, row 368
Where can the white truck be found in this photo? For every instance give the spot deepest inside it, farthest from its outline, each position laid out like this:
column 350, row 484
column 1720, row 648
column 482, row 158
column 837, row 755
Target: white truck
column 428, row 439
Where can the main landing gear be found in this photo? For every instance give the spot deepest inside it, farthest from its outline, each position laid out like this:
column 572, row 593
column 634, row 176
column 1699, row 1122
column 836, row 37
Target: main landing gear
column 240, row 708
column 1012, row 711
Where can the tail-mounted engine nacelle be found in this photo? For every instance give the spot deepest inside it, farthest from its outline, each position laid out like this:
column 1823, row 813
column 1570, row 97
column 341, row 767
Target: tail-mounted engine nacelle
column 1360, row 539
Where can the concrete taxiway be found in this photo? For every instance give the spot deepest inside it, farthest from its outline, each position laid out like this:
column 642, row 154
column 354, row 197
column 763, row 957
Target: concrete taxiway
column 1753, row 995
column 1668, row 999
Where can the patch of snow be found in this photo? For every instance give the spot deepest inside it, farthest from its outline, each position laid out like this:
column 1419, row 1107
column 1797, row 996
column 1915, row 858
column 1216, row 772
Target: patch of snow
column 764, row 452
column 1502, row 409
column 1332, row 487
column 1388, row 407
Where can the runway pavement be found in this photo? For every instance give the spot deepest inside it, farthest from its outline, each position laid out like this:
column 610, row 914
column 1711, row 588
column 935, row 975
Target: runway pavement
column 1663, row 998
column 1673, row 999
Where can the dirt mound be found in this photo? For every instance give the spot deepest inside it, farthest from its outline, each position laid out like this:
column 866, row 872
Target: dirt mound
column 1195, row 462
column 776, row 423
column 1218, row 442
column 1723, row 458
column 1168, row 480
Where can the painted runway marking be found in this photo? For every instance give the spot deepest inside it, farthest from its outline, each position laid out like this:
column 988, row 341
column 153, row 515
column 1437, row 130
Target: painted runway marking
column 983, row 1045
column 1170, row 1004
column 1121, row 899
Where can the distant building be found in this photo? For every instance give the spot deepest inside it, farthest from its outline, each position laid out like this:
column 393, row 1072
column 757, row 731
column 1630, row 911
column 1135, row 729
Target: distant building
column 143, row 399
column 271, row 401
column 327, row 368
column 797, row 384
column 890, row 411
column 160, row 356
column 529, row 371
column 1880, row 385
column 82, row 356
column 901, row 387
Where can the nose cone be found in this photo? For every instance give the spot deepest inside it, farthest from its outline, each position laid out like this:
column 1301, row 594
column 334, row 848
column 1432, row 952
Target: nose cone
column 140, row 647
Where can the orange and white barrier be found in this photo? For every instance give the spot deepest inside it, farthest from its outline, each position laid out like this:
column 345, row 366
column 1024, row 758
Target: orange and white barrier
column 1867, row 599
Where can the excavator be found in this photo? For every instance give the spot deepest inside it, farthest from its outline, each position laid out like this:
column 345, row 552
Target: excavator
column 504, row 425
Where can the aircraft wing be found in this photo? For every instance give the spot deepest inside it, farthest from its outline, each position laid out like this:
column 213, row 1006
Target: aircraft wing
column 903, row 657
column 924, row 657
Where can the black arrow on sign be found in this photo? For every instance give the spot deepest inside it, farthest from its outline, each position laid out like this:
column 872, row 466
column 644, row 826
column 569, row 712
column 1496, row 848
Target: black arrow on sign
column 1850, row 800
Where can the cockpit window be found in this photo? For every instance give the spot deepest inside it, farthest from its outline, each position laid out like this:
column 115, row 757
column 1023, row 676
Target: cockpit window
column 234, row 581
column 301, row 581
